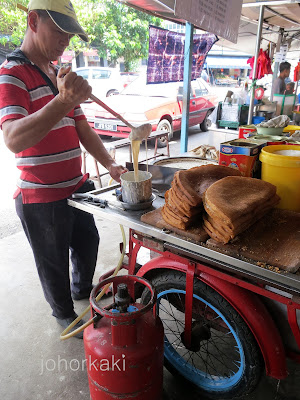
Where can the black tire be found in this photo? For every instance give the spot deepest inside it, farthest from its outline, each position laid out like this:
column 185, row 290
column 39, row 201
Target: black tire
column 112, row 92
column 164, row 125
column 225, row 361
column 206, row 123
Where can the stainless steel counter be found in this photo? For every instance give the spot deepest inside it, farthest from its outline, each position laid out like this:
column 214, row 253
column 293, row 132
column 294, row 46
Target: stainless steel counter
column 131, row 219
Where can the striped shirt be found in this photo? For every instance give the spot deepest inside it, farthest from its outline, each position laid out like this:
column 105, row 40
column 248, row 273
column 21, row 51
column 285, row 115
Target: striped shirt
column 51, row 169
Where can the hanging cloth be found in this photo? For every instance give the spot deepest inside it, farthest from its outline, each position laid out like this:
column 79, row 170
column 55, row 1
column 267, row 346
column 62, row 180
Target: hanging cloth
column 263, row 64
column 296, row 72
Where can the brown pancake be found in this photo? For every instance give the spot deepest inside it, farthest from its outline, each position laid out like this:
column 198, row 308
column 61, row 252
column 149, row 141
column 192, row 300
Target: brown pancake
column 173, row 200
column 173, row 220
column 181, row 195
column 194, row 181
column 232, row 197
column 234, row 226
column 172, row 206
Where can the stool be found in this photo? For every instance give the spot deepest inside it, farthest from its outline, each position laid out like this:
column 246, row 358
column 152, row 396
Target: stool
column 84, row 155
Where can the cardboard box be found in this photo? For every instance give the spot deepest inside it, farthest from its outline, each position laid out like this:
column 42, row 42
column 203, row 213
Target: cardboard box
column 242, row 154
column 246, row 131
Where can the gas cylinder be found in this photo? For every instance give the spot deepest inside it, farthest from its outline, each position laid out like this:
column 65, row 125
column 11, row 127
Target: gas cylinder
column 124, row 346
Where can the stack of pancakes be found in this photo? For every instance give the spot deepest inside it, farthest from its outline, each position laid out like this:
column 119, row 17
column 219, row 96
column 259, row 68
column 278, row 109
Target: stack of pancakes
column 234, row 203
column 183, row 202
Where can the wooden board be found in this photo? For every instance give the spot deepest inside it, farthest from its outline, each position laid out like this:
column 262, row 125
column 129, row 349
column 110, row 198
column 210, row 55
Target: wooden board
column 273, row 240
column 155, row 218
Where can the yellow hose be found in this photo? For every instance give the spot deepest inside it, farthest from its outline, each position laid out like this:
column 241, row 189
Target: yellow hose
column 110, row 181
column 65, row 334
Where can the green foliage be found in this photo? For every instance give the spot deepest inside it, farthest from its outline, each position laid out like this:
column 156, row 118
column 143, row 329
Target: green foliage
column 115, row 30
column 12, row 23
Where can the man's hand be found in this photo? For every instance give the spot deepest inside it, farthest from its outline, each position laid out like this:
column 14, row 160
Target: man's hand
column 73, row 89
column 115, row 170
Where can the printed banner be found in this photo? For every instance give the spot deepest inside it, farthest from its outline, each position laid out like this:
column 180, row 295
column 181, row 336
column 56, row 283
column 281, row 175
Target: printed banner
column 166, row 55
column 221, row 17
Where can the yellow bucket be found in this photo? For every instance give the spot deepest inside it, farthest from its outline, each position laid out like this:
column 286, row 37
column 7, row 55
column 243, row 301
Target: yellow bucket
column 283, row 171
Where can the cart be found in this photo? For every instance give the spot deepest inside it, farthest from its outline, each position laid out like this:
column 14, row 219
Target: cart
column 218, row 311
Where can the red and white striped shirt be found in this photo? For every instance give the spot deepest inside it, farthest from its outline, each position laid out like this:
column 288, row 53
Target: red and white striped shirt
column 51, row 169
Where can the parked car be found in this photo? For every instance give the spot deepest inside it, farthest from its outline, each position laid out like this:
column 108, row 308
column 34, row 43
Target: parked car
column 105, row 82
column 158, row 104
column 128, row 77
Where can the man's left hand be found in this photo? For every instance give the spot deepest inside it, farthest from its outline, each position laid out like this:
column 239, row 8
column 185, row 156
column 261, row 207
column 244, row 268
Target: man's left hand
column 116, row 170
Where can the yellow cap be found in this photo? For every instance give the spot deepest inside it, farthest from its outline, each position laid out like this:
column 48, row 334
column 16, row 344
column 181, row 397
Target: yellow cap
column 62, row 14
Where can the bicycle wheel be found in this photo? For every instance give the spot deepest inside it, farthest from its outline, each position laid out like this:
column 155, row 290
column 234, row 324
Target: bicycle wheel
column 223, row 359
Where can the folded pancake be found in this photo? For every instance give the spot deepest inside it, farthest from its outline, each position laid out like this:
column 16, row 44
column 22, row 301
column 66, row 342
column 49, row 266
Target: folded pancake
column 178, row 221
column 232, row 197
column 194, row 181
column 212, row 217
column 225, row 234
column 177, row 208
column 174, row 200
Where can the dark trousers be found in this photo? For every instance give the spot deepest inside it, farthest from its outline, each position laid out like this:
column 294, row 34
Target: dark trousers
column 54, row 229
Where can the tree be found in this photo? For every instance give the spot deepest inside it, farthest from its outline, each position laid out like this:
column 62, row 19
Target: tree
column 114, row 29
column 12, row 23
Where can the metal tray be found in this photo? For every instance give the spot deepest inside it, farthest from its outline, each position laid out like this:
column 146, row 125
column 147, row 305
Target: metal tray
column 285, row 281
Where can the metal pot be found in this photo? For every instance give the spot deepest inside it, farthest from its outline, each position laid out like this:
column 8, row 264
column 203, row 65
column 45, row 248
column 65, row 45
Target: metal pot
column 136, row 192
column 296, row 117
column 266, row 114
column 271, row 107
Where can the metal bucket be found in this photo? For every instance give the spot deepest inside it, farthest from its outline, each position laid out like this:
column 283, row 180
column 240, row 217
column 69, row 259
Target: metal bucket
column 136, row 192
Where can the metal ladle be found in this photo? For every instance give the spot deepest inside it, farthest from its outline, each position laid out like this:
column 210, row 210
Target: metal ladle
column 137, row 132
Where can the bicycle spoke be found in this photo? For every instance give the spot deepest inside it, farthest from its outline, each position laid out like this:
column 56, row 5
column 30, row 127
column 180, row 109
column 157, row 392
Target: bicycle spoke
column 216, row 361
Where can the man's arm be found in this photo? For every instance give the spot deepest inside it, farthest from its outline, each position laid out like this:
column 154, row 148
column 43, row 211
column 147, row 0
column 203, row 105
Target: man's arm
column 20, row 134
column 93, row 144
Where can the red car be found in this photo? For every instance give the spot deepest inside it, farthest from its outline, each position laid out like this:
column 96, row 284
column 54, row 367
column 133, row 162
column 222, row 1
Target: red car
column 159, row 104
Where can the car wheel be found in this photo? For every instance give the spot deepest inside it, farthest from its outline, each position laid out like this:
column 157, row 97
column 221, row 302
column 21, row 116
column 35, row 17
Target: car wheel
column 206, row 123
column 112, row 92
column 164, row 125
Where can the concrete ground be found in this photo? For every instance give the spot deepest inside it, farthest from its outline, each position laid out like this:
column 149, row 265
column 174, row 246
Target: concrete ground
column 35, row 364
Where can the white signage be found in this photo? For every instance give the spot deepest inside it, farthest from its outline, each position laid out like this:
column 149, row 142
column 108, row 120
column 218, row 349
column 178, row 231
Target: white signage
column 280, row 56
column 221, row 17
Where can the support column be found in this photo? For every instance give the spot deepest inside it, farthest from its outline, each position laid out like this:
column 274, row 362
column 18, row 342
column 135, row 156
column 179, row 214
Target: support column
column 188, row 52
column 257, row 47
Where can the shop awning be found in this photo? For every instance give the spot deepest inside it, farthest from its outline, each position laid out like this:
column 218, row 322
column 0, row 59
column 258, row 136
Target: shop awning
column 214, row 16
column 227, row 62
column 280, row 14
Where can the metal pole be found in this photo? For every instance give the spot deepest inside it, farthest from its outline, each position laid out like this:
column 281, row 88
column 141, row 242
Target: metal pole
column 188, row 52
column 257, row 47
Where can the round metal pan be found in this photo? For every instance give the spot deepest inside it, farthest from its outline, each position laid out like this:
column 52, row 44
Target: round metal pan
column 138, row 206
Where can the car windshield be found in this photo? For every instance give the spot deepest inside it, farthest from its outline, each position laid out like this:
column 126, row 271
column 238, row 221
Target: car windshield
column 100, row 74
column 139, row 88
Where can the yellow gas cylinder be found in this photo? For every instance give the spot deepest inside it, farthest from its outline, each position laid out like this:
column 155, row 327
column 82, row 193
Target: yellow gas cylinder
column 281, row 167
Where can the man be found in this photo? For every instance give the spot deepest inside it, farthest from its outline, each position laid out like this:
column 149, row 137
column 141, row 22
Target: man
column 279, row 86
column 43, row 125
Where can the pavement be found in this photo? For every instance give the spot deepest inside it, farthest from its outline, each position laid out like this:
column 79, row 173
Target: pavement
column 35, row 363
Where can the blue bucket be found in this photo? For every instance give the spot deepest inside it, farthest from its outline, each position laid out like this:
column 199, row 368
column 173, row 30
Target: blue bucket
column 257, row 120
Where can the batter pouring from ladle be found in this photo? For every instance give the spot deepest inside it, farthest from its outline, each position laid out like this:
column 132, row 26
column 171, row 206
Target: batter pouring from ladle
column 136, row 137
